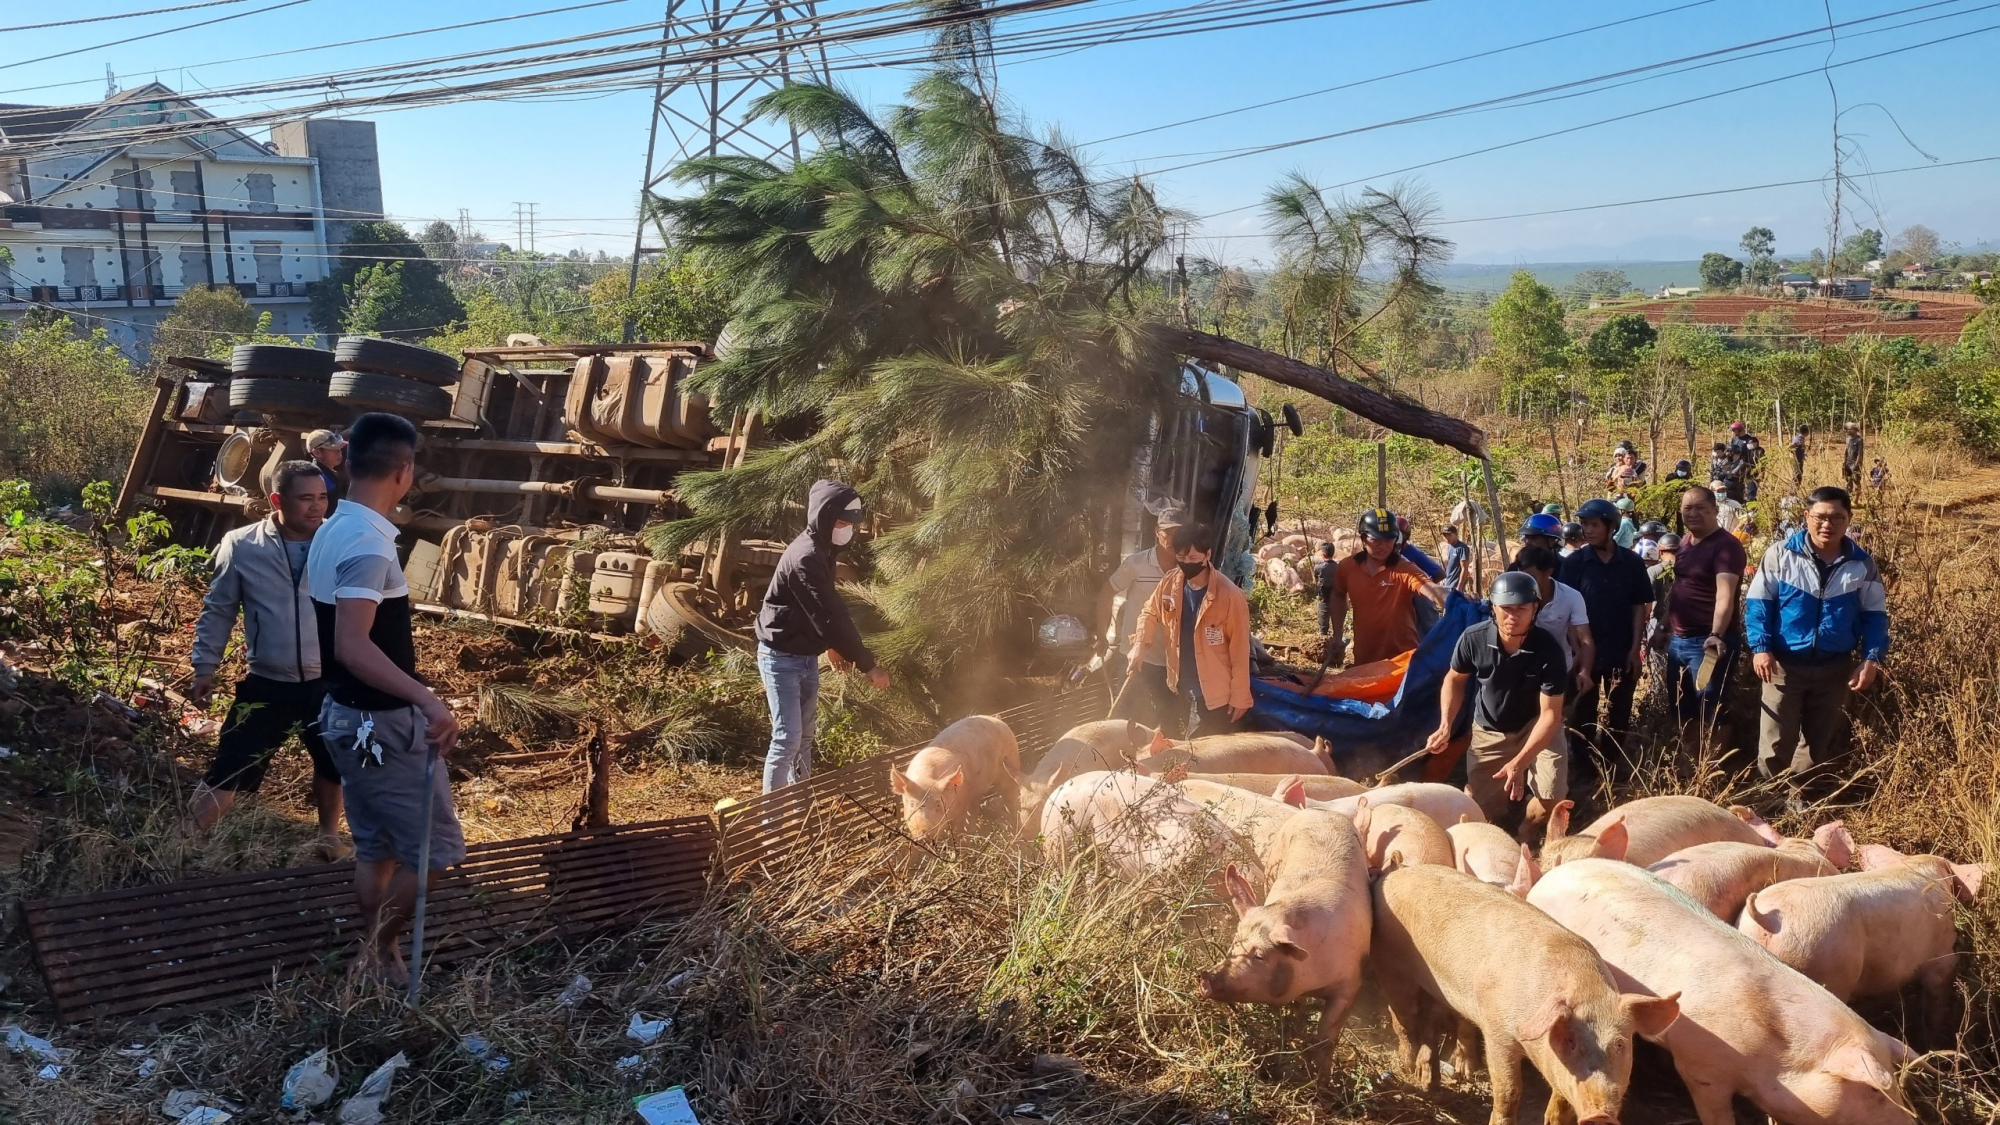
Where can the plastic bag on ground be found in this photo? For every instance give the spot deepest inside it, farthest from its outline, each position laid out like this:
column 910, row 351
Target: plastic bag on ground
column 365, row 1106
column 193, row 1106
column 645, row 1030
column 207, row 1115
column 481, row 1048
column 22, row 1043
column 311, row 1081
column 573, row 995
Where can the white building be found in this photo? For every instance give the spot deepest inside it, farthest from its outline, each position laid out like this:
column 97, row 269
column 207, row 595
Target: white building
column 112, row 232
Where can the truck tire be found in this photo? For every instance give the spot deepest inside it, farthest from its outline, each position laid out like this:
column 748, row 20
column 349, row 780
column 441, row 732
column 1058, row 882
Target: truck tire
column 277, row 361
column 391, row 394
column 389, row 357
column 280, row 396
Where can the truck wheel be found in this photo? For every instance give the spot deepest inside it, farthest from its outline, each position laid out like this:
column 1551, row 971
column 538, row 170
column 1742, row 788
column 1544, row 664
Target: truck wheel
column 280, row 396
column 277, row 361
column 389, row 357
column 389, row 393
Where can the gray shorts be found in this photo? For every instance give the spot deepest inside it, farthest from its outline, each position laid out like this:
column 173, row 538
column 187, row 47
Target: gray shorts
column 385, row 803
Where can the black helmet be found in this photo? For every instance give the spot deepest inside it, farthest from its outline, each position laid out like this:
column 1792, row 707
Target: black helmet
column 1514, row 588
column 1379, row 523
column 1684, row 466
column 1653, row 528
column 1572, row 531
column 1598, row 508
column 1670, row 542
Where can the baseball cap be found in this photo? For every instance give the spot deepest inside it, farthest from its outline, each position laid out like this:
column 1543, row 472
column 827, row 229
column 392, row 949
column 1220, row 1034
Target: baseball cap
column 1171, row 515
column 323, row 439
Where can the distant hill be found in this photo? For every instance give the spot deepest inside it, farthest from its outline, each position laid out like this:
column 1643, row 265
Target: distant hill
column 1647, row 276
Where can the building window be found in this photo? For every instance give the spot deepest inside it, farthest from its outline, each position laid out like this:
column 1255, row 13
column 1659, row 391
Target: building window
column 135, row 189
column 187, row 190
column 270, row 262
column 194, row 266
column 79, row 265
column 262, row 190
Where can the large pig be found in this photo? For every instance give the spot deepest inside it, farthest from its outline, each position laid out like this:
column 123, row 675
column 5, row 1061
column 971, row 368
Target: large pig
column 1107, row 744
column 1533, row 989
column 1442, row 803
column 1139, row 825
column 1869, row 933
column 1720, row 875
column 1309, row 934
column 1249, row 752
column 1253, row 817
column 968, row 760
column 1487, row 853
column 1648, row 830
column 1316, row 787
column 1395, row 836
column 1750, row 1025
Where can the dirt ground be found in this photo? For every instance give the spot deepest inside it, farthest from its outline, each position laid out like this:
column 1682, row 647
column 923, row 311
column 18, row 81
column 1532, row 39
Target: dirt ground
column 1936, row 322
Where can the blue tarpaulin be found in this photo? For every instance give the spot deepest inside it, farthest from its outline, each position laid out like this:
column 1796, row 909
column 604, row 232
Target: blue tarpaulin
column 1361, row 732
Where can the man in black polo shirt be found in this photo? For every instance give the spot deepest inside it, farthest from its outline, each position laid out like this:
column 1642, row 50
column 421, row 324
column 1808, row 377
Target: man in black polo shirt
column 380, row 723
column 1619, row 595
column 1518, row 750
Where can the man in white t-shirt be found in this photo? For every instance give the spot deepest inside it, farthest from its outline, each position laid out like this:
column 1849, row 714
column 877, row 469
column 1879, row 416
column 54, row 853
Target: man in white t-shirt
column 1124, row 596
column 1563, row 614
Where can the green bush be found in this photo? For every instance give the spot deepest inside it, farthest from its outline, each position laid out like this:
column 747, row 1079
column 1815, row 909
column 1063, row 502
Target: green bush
column 70, row 408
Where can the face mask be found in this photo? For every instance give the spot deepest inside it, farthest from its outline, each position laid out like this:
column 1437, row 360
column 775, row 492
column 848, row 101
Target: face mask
column 1192, row 571
column 843, row 534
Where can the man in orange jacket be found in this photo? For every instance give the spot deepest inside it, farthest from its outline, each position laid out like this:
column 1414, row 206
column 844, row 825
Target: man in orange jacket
column 1202, row 620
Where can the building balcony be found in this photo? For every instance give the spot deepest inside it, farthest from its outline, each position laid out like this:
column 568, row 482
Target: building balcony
column 118, row 294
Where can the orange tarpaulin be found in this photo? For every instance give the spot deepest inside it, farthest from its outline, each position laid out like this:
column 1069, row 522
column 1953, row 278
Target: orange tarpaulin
column 1375, row 682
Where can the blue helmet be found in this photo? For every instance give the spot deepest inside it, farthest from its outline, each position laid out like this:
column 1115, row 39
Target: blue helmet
column 1542, row 523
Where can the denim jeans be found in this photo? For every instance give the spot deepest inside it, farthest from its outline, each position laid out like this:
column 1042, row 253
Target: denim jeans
column 1684, row 655
column 791, row 687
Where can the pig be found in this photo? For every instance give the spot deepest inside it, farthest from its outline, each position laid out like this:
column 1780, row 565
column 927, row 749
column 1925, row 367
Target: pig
column 1253, row 817
column 968, row 760
column 1309, row 933
column 1318, row 787
column 1395, row 836
column 1650, row 829
column 1750, row 1025
column 1249, row 752
column 1446, row 941
column 1719, row 875
column 1107, row 744
column 1870, row 933
column 1487, row 853
column 1140, row 826
column 1441, row 803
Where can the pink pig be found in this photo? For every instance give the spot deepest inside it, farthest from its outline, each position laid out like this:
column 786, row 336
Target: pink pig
column 1721, row 874
column 1650, row 829
column 946, row 780
column 1749, row 1025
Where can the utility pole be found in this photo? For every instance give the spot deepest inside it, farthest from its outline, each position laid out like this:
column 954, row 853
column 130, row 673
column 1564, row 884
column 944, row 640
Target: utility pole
column 464, row 228
column 703, row 108
column 520, row 226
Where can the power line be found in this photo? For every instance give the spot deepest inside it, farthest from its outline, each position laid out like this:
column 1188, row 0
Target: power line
column 119, row 16
column 154, row 34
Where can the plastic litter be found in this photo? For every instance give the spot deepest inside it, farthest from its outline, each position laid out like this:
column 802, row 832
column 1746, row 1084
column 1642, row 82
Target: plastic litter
column 22, row 1043
column 668, row 1107
column 48, row 1072
column 630, row 1063
column 479, row 1047
column 681, row 978
column 6, row 752
column 311, row 1081
column 147, row 1067
column 200, row 725
column 647, row 1031
column 184, row 1105
column 134, row 1051
column 573, row 995
column 365, row 1106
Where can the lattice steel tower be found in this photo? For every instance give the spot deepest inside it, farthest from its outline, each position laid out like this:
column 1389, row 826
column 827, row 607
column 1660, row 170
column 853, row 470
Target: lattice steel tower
column 702, row 106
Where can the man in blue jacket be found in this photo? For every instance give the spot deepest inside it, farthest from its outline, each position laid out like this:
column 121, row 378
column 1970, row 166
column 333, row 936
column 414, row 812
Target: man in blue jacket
column 1816, row 602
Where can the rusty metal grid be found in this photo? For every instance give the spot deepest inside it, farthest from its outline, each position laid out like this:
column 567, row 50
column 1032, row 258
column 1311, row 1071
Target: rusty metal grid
column 174, row 949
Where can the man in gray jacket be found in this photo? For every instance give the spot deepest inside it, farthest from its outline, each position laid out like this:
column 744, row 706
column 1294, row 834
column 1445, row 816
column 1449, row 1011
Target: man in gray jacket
column 260, row 571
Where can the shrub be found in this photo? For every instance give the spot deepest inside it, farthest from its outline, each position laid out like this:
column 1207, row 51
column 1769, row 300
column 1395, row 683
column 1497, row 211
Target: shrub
column 70, row 408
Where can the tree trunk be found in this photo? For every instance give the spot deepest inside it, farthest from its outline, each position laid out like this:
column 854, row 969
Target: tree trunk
column 1400, row 415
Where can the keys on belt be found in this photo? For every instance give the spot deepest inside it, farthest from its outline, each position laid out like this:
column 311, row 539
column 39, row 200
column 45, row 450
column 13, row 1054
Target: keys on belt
column 365, row 743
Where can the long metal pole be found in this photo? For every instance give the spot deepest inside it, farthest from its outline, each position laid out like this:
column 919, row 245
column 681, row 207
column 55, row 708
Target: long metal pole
column 646, row 178
column 423, row 876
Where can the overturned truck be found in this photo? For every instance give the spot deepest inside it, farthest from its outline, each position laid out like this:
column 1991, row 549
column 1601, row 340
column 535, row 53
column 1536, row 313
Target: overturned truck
column 540, row 465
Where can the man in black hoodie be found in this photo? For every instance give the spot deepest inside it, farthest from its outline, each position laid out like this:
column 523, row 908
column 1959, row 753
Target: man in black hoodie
column 802, row 617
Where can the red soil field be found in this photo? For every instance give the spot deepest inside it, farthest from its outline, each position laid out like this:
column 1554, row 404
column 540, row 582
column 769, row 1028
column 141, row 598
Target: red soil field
column 1936, row 322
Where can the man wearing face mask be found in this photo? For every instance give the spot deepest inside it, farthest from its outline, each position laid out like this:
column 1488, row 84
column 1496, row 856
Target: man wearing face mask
column 804, row 616
column 1203, row 622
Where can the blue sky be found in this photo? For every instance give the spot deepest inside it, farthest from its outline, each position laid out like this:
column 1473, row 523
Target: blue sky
column 579, row 161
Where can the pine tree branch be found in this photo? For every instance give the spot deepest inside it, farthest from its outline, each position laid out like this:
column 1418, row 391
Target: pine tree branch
column 1398, row 414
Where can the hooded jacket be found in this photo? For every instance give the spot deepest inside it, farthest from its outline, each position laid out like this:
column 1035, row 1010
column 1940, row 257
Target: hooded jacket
column 252, row 575
column 1789, row 614
column 803, row 612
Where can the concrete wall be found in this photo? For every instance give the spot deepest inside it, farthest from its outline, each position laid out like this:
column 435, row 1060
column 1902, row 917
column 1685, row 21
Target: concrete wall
column 350, row 175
